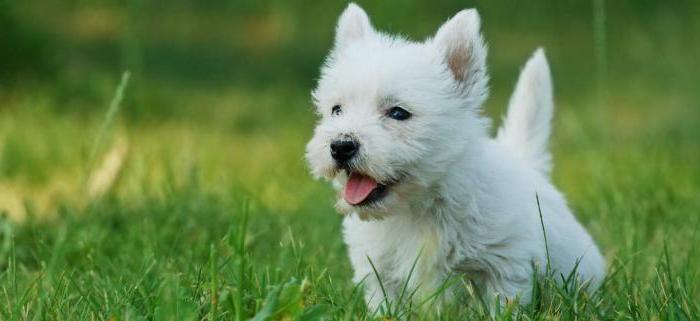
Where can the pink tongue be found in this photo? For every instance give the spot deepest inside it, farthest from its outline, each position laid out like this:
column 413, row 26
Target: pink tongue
column 358, row 188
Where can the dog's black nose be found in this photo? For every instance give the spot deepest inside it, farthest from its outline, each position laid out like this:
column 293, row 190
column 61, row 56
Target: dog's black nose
column 343, row 150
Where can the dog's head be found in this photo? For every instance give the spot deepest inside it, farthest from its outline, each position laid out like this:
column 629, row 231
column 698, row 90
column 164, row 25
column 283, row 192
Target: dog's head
column 395, row 114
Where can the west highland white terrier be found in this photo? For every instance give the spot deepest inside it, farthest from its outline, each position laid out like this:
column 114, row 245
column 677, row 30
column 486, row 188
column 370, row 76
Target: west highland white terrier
column 425, row 189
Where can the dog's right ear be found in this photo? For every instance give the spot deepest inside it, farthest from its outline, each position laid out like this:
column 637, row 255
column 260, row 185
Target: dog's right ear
column 353, row 25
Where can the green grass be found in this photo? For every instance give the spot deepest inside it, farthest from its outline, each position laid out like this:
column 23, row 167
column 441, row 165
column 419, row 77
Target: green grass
column 212, row 215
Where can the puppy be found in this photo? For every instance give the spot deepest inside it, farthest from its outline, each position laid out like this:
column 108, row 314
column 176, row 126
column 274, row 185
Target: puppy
column 427, row 192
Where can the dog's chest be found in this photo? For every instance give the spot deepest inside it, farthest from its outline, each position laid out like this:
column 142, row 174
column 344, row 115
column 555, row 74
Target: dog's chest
column 398, row 247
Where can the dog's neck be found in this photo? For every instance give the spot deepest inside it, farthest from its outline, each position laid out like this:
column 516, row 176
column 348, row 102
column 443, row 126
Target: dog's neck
column 453, row 191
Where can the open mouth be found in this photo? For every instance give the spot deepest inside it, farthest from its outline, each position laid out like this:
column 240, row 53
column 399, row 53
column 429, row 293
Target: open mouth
column 361, row 189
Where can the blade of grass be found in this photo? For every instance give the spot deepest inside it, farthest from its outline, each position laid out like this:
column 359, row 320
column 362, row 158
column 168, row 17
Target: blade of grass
column 108, row 120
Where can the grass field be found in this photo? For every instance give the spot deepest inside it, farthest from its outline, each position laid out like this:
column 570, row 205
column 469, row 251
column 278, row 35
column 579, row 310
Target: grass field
column 181, row 193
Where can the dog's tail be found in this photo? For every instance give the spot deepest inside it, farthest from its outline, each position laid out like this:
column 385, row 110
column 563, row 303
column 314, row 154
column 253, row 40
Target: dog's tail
column 526, row 127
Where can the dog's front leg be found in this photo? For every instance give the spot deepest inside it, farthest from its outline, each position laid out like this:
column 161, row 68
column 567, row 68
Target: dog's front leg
column 379, row 292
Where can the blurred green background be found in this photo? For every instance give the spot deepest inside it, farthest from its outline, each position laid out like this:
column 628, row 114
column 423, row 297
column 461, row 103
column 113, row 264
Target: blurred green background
column 217, row 110
column 221, row 88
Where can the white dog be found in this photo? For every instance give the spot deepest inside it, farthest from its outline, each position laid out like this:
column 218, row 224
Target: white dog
column 402, row 139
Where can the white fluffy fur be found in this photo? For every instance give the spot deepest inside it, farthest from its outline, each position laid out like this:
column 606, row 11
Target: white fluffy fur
column 463, row 200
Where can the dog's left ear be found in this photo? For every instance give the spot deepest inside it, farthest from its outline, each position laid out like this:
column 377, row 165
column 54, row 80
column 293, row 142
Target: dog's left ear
column 463, row 47
column 353, row 25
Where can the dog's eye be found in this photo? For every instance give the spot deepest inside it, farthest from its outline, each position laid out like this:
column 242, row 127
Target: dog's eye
column 337, row 110
column 398, row 113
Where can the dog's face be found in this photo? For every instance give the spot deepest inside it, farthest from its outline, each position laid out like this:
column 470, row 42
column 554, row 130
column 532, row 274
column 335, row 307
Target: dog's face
column 395, row 114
